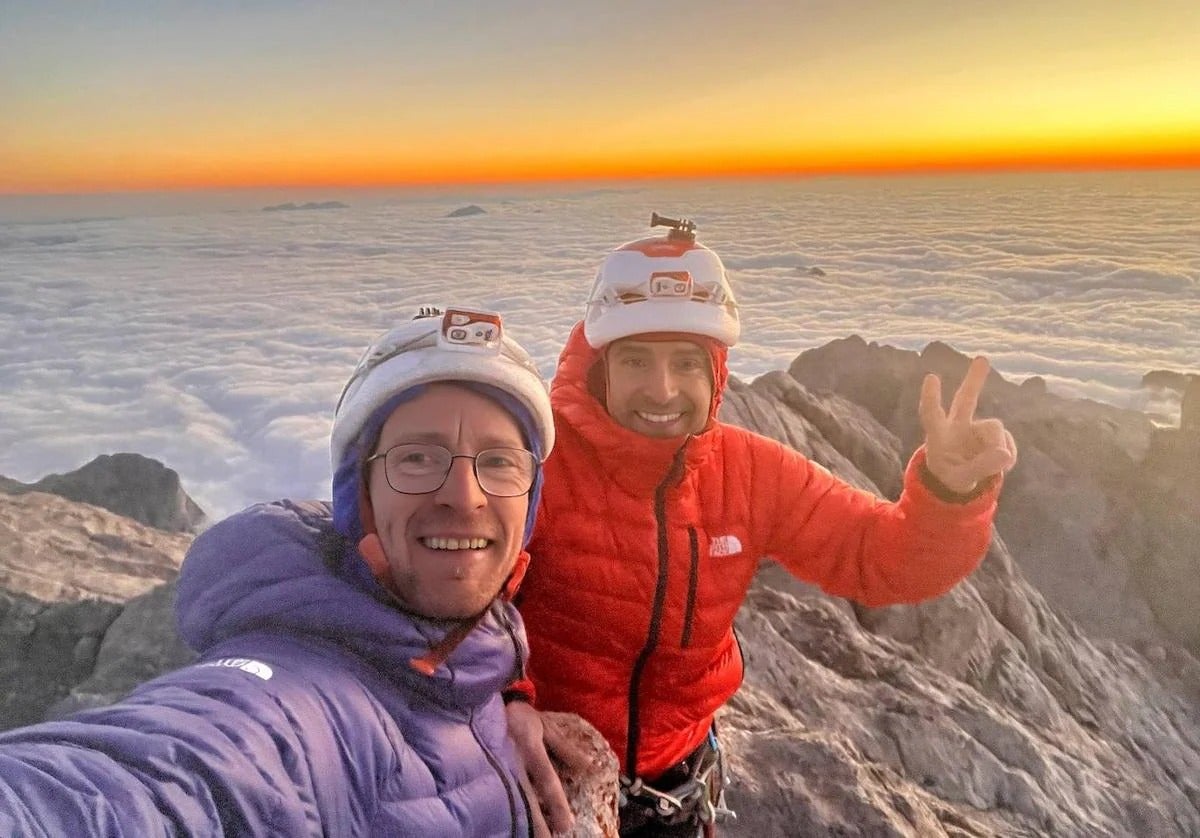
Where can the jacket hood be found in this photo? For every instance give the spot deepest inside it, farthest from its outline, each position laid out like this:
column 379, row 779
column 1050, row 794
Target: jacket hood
column 263, row 569
column 636, row 462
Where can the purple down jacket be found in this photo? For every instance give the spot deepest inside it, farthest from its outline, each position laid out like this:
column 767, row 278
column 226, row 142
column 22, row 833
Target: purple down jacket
column 301, row 717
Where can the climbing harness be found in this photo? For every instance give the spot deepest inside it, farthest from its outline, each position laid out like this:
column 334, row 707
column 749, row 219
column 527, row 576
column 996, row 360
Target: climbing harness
column 699, row 799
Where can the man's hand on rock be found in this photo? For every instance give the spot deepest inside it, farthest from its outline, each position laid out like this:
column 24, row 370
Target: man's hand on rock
column 534, row 742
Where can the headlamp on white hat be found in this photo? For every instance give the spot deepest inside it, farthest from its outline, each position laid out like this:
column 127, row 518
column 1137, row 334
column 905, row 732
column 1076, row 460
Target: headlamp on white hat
column 455, row 345
column 662, row 284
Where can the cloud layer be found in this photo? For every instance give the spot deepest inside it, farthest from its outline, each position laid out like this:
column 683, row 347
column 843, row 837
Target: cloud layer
column 217, row 341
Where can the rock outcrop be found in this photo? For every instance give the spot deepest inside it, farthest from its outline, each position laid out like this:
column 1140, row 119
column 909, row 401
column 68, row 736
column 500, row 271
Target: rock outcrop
column 128, row 484
column 1169, row 389
column 1083, row 503
column 591, row 780
column 940, row 720
column 58, row 551
column 1189, row 407
column 67, row 571
column 1166, row 380
column 308, row 205
column 987, row 711
column 140, row 643
column 1055, row 692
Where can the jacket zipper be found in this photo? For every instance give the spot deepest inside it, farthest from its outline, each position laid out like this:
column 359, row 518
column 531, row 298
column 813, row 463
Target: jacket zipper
column 693, row 581
column 660, row 595
column 500, row 774
column 512, row 634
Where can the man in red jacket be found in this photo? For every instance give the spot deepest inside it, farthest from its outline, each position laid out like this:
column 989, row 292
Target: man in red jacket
column 655, row 515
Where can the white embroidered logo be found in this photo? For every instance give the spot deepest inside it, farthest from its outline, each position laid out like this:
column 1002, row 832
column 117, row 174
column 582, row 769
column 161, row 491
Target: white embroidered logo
column 724, row 545
column 245, row 664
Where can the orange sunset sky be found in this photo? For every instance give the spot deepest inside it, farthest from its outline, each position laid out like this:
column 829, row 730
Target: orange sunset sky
column 134, row 95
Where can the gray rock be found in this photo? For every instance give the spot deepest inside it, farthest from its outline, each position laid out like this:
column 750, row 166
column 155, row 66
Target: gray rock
column 869, row 375
column 1189, row 408
column 1079, row 502
column 45, row 649
column 140, row 643
column 1034, row 384
column 137, row 487
column 462, row 212
column 983, row 712
column 1166, row 380
column 66, row 572
column 1159, row 528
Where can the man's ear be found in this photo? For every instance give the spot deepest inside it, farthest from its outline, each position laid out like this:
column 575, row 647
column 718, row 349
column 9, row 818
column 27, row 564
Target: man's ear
column 371, row 549
column 370, row 546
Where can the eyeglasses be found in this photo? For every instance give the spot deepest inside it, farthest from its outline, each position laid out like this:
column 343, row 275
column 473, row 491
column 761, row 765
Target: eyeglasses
column 416, row 468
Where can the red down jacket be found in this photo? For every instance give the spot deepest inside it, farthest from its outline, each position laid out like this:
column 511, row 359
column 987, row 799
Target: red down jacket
column 644, row 550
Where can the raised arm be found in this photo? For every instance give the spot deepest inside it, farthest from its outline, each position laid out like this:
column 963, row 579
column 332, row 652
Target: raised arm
column 207, row 750
column 856, row 545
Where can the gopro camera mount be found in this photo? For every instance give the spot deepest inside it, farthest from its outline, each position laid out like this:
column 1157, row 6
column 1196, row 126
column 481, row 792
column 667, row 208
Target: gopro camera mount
column 682, row 229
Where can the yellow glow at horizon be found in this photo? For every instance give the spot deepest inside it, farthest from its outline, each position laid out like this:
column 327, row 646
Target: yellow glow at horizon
column 921, row 100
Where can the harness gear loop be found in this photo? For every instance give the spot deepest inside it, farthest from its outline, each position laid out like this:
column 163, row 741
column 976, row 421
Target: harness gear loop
column 699, row 799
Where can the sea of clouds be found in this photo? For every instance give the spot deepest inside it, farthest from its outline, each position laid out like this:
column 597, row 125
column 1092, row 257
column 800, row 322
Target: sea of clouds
column 214, row 336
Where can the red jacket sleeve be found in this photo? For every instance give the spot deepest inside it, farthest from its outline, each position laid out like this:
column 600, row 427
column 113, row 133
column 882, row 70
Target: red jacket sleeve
column 855, row 545
column 520, row 690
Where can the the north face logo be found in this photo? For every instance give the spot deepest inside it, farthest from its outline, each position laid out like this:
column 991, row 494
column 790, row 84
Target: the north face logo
column 724, row 545
column 245, row 664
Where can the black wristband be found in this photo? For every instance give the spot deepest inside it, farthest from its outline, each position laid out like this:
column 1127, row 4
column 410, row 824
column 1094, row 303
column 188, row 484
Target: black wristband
column 944, row 493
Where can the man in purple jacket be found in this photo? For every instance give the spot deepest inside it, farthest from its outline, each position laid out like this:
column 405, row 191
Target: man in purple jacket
column 349, row 675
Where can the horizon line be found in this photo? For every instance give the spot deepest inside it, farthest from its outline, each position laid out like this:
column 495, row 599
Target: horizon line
column 1179, row 161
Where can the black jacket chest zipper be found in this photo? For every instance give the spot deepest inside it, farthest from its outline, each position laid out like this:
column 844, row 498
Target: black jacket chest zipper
column 689, row 613
column 674, row 473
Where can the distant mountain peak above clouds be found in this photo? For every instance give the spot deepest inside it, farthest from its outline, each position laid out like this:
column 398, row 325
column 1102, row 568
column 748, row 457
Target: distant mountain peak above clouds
column 310, row 205
column 1168, row 380
column 131, row 485
column 1173, row 395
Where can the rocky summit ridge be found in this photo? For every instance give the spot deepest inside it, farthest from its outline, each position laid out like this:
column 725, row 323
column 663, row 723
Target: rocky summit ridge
column 1054, row 692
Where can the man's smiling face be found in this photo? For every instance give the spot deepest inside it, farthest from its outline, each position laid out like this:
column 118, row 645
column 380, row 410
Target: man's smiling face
column 659, row 388
column 449, row 551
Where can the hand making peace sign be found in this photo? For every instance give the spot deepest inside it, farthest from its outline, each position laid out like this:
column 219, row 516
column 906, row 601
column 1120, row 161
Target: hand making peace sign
column 961, row 450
